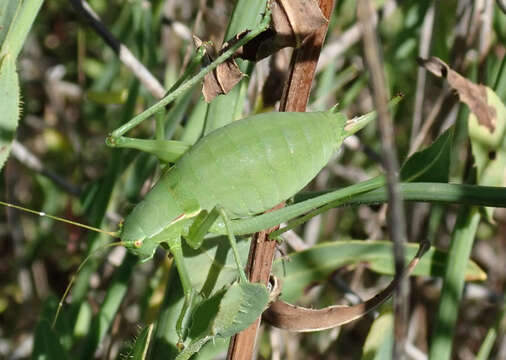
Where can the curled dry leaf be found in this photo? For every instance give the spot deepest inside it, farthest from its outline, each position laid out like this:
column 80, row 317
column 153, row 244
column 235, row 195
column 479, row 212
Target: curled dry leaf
column 293, row 21
column 300, row 319
column 486, row 125
column 474, row 95
column 222, row 79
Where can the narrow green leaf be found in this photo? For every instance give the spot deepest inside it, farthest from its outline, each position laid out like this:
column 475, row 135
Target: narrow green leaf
column 9, row 105
column 7, row 12
column 19, row 27
column 378, row 345
column 46, row 344
column 460, row 249
column 317, row 263
column 196, row 120
column 83, row 320
column 165, row 338
column 109, row 307
column 431, row 164
column 492, row 333
column 227, row 108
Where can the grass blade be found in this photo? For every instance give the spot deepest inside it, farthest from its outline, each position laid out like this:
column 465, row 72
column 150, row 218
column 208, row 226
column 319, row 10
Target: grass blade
column 460, row 250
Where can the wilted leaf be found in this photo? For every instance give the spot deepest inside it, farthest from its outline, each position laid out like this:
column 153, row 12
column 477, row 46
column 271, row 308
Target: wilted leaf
column 486, row 124
column 293, row 21
column 474, row 95
column 316, row 264
column 303, row 17
column 302, row 319
column 222, row 79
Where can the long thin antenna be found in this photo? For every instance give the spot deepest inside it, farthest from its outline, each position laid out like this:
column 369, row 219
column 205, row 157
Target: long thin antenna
column 73, row 279
column 41, row 213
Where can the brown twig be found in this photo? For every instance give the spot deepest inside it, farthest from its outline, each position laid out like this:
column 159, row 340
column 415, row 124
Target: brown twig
column 423, row 51
column 124, row 54
column 396, row 216
column 295, row 98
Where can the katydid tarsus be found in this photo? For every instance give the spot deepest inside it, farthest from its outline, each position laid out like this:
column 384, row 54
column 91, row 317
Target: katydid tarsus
column 215, row 179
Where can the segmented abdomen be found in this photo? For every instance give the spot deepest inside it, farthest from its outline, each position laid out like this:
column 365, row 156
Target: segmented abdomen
column 255, row 163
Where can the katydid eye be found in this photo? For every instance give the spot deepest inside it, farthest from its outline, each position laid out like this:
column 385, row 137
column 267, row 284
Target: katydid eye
column 138, row 243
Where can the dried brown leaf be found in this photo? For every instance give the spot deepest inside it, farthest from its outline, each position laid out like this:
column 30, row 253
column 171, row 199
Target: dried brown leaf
column 474, row 95
column 300, row 319
column 222, row 79
column 293, row 21
column 298, row 18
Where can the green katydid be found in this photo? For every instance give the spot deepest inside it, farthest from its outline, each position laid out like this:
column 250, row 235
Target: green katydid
column 291, row 147
column 195, row 192
column 185, row 202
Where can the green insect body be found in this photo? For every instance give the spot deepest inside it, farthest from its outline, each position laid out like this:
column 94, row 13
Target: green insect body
column 221, row 170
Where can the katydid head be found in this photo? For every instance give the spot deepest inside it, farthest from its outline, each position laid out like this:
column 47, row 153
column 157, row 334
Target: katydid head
column 134, row 238
column 143, row 227
column 139, row 245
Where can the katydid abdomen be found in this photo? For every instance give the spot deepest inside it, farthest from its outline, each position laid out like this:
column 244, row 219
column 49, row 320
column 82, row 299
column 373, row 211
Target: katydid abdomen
column 253, row 164
column 246, row 168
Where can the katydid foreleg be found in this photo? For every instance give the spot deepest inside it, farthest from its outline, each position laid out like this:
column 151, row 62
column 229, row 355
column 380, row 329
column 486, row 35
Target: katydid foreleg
column 114, row 137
